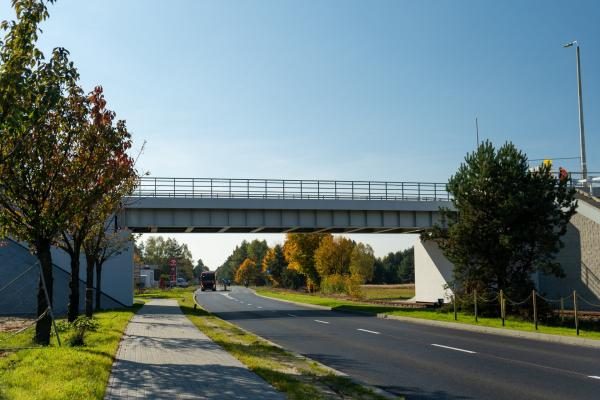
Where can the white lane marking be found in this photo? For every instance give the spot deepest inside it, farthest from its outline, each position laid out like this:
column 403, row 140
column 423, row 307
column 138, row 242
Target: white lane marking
column 593, row 376
column 453, row 348
column 368, row 331
column 249, row 304
column 258, row 307
column 321, row 322
column 292, row 315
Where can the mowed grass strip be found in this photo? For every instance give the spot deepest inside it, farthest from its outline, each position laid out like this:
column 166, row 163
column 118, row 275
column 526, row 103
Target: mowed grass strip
column 512, row 323
column 296, row 376
column 64, row 372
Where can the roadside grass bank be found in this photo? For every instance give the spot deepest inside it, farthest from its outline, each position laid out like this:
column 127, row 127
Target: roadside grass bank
column 512, row 323
column 299, row 378
column 388, row 292
column 173, row 293
column 64, row 372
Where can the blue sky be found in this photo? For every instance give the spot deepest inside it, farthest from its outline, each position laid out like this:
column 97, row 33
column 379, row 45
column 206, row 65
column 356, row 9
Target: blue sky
column 384, row 90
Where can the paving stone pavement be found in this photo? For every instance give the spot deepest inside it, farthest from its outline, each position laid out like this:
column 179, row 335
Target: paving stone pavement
column 164, row 356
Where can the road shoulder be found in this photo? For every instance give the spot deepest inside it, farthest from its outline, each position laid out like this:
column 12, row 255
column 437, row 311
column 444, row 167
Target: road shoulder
column 294, row 374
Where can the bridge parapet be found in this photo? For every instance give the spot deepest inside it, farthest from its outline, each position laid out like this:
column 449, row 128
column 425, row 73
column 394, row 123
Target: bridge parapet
column 290, row 189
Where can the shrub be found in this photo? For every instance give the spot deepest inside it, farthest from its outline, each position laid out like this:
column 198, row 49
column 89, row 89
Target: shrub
column 81, row 325
column 342, row 284
column 333, row 284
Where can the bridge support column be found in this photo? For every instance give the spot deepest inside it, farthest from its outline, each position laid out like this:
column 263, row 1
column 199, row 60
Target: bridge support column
column 433, row 271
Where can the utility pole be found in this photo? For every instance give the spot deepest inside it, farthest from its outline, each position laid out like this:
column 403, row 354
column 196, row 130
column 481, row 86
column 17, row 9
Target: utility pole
column 477, row 131
column 581, row 125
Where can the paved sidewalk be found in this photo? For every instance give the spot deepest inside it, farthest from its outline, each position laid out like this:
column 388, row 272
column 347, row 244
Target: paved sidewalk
column 164, row 356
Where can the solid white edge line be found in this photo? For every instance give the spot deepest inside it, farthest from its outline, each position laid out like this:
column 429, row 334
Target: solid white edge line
column 366, row 330
column 594, row 376
column 453, row 348
column 321, row 322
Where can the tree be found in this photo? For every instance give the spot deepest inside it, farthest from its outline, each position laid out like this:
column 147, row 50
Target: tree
column 333, row 256
column 274, row 266
column 105, row 174
column 103, row 242
column 398, row 267
column 299, row 250
column 362, row 261
column 199, row 268
column 508, row 221
column 247, row 272
column 158, row 251
column 254, row 250
column 42, row 113
column 406, row 270
column 234, row 260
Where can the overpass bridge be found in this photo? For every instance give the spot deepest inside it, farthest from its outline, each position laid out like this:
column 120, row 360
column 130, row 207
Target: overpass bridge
column 210, row 205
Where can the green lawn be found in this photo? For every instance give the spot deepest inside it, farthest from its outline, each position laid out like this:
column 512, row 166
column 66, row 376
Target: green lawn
column 433, row 314
column 64, row 372
column 173, row 293
column 296, row 376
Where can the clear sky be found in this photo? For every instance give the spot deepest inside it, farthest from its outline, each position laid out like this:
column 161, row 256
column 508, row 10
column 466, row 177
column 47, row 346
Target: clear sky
column 384, row 90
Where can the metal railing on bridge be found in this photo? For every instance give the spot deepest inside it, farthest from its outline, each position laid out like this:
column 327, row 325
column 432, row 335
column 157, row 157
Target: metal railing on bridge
column 290, row 189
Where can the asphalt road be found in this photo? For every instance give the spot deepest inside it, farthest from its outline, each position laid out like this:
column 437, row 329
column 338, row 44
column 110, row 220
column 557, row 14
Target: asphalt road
column 417, row 361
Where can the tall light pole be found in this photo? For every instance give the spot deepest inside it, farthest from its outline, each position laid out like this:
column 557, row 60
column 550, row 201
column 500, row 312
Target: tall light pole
column 581, row 126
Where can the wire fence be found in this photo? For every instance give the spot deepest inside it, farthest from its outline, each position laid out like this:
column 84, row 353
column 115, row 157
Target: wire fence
column 17, row 331
column 562, row 311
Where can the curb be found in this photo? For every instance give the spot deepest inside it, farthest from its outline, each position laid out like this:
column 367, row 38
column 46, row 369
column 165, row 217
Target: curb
column 542, row 337
column 334, row 371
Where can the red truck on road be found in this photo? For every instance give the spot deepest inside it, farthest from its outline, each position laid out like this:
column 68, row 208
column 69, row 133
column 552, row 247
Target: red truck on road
column 208, row 281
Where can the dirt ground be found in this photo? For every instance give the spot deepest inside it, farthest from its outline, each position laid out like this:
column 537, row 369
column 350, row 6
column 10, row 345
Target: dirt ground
column 13, row 324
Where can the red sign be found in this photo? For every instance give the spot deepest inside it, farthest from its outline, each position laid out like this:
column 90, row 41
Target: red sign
column 173, row 270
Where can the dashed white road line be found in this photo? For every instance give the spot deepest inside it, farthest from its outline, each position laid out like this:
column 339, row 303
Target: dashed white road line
column 321, row 322
column 249, row 304
column 368, row 331
column 593, row 376
column 258, row 307
column 453, row 348
column 292, row 315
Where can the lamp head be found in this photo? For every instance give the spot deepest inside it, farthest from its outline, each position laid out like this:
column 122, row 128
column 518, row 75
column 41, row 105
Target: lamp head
column 574, row 42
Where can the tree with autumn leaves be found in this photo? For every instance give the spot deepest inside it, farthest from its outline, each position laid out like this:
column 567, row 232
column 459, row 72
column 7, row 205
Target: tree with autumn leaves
column 248, row 272
column 63, row 159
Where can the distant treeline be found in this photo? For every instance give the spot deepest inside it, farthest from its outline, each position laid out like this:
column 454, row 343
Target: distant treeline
column 316, row 261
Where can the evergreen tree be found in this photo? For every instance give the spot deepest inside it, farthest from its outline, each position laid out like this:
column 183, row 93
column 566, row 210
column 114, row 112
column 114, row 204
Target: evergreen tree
column 507, row 223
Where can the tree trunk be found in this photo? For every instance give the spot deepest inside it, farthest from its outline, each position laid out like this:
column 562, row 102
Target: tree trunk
column 44, row 325
column 98, row 285
column 89, row 286
column 73, row 310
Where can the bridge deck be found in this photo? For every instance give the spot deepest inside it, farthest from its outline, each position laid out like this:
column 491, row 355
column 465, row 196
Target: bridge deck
column 275, row 205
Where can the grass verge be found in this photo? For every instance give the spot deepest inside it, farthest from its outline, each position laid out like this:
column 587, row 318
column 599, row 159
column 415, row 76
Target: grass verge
column 299, row 378
column 65, row 372
column 431, row 314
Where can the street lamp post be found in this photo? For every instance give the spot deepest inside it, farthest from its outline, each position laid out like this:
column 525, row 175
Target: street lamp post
column 581, row 126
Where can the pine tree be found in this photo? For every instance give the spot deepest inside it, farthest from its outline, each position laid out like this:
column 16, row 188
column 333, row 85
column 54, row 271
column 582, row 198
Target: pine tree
column 507, row 223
